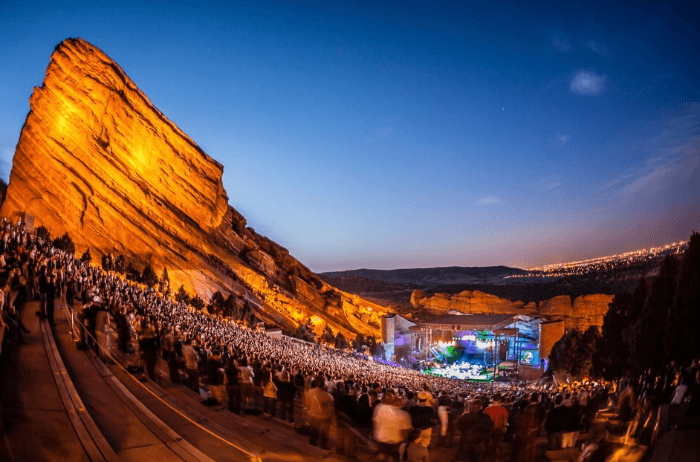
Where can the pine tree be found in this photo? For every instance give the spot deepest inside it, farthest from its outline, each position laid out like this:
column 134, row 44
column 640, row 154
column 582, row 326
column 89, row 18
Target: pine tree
column 132, row 274
column 229, row 306
column 634, row 312
column 564, row 355
column 107, row 262
column 86, row 257
column 587, row 348
column 651, row 325
column 120, row 264
column 164, row 281
column 216, row 303
column 359, row 342
column 682, row 336
column 197, row 303
column 65, row 243
column 340, row 342
column 182, row 295
column 149, row 276
column 328, row 336
column 612, row 352
column 43, row 233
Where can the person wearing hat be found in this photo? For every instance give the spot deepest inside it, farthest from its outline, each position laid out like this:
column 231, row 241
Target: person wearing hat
column 475, row 431
column 423, row 417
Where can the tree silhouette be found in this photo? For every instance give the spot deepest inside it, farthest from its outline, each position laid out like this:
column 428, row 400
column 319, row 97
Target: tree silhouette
column 216, row 303
column 120, row 264
column 565, row 353
column 182, row 295
column 43, row 233
column 340, row 342
column 359, row 342
column 149, row 276
column 612, row 352
column 682, row 337
column 229, row 306
column 164, row 281
column 305, row 331
column 65, row 243
column 107, row 263
column 197, row 303
column 328, row 336
column 132, row 274
column 86, row 257
column 651, row 325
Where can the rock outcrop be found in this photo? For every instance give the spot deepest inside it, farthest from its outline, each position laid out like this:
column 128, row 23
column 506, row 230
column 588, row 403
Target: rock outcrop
column 96, row 159
column 583, row 311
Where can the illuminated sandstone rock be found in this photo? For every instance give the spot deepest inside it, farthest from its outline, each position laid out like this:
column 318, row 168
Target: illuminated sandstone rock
column 468, row 302
column 584, row 311
column 97, row 160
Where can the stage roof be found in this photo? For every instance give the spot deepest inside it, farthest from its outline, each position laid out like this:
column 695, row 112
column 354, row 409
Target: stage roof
column 470, row 322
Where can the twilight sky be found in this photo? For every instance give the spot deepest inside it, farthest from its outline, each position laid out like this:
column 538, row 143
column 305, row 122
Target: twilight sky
column 411, row 134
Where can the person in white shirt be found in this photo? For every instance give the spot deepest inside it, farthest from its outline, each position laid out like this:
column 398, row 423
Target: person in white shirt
column 391, row 426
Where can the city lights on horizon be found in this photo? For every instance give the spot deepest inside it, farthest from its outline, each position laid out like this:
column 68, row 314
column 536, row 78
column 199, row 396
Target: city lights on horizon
column 602, row 263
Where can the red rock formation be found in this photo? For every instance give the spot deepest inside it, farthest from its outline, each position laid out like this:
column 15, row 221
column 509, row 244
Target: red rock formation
column 586, row 310
column 96, row 159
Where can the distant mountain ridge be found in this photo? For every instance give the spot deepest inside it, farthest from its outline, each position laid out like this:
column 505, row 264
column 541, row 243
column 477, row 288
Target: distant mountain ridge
column 433, row 277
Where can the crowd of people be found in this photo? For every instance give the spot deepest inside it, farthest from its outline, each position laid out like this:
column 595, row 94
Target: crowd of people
column 403, row 412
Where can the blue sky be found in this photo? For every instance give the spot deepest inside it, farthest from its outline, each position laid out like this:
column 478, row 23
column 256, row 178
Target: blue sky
column 411, row 134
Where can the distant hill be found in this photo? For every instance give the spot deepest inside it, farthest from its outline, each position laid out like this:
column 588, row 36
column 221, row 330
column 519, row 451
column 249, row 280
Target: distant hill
column 606, row 275
column 432, row 277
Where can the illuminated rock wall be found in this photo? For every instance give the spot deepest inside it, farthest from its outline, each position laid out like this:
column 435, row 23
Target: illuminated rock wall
column 97, row 160
column 584, row 311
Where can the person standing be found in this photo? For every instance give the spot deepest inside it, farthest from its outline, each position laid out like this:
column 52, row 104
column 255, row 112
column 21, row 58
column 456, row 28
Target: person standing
column 556, row 421
column 245, row 379
column 269, row 394
column 285, row 392
column 233, row 388
column 102, row 320
column 149, row 349
column 499, row 417
column 43, row 283
column 50, row 292
column 191, row 361
column 423, row 417
column 524, row 446
column 319, row 405
column 476, row 429
column 391, row 426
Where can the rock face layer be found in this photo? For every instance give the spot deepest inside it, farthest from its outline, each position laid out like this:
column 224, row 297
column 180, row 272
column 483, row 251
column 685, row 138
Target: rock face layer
column 582, row 312
column 96, row 159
